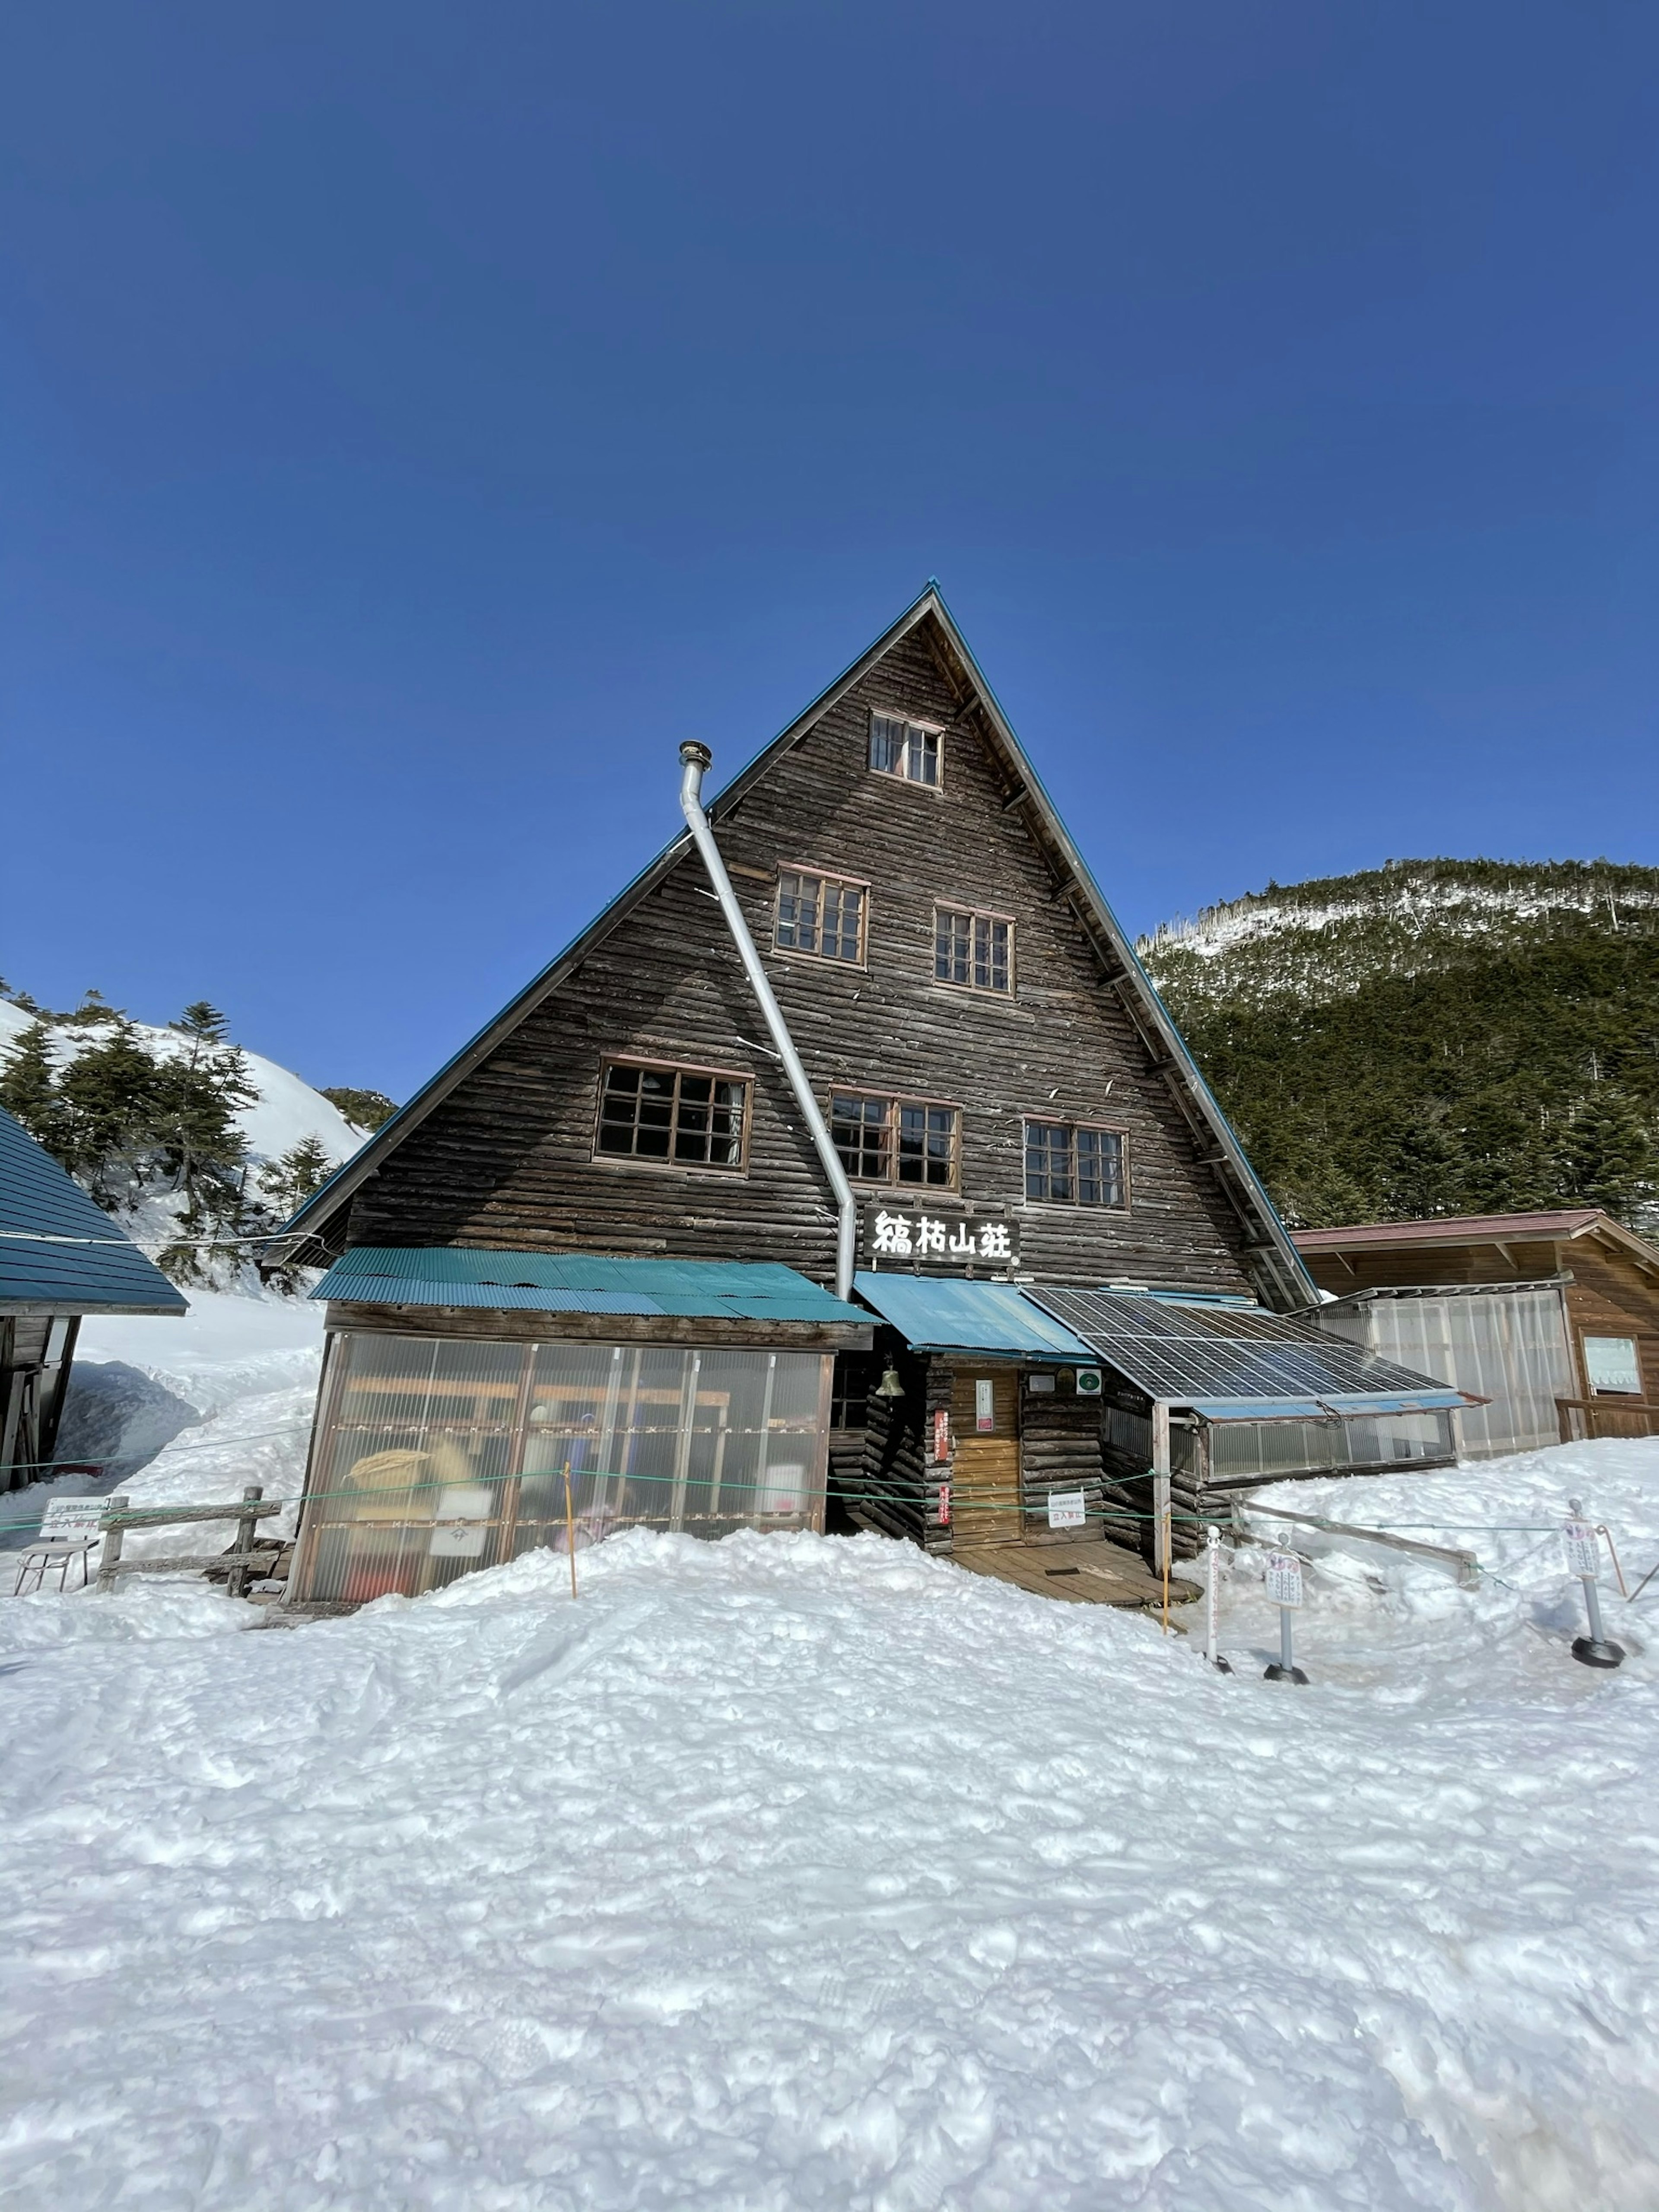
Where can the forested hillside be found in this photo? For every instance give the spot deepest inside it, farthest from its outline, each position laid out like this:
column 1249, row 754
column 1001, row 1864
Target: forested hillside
column 198, row 1147
column 1434, row 1036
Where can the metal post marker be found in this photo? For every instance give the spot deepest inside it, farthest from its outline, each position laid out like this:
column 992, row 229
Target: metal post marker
column 1213, row 1601
column 1584, row 1559
column 1285, row 1589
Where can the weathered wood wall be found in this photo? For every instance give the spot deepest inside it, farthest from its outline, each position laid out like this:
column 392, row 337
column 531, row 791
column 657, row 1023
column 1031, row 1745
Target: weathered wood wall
column 507, row 1160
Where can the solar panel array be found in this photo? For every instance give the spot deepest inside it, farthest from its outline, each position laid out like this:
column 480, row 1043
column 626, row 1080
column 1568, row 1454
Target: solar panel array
column 1186, row 1353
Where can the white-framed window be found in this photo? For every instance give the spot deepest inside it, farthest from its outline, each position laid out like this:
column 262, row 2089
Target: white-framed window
column 974, row 951
column 1613, row 1363
column 909, row 750
column 1071, row 1164
column 821, row 914
column 895, row 1140
column 667, row 1116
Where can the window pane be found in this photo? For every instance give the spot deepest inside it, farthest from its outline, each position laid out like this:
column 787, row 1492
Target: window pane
column 656, row 1113
column 926, row 1144
column 844, row 909
column 952, row 946
column 857, row 1127
column 797, row 912
column 887, row 745
column 1048, row 1162
column 922, row 762
column 1099, row 1167
column 990, row 954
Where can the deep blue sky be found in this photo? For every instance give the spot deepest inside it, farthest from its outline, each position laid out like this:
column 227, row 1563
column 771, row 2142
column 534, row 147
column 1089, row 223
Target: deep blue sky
column 414, row 420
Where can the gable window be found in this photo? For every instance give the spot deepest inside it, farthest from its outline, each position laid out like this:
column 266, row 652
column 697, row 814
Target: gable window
column 908, row 750
column 820, row 915
column 1069, row 1165
column 895, row 1140
column 677, row 1116
column 973, row 950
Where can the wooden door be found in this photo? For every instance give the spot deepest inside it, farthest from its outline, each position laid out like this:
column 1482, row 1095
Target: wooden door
column 985, row 1462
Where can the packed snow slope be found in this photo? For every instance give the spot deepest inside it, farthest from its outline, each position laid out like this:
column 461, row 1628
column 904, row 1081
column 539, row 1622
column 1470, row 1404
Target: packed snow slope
column 791, row 1873
column 1435, row 1036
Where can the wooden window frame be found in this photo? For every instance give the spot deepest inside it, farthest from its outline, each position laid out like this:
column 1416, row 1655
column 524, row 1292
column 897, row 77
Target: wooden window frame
column 822, row 875
column 894, row 1101
column 935, row 730
column 675, row 1067
column 977, row 914
column 1095, row 1129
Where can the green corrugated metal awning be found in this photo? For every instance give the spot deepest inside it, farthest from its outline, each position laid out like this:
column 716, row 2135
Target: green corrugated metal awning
column 580, row 1282
column 943, row 1314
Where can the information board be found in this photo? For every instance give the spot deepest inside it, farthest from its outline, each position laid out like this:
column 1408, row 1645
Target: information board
column 1584, row 1550
column 1284, row 1578
column 1066, row 1508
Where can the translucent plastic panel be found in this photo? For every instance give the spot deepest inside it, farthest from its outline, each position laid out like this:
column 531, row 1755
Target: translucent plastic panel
column 437, row 1455
column 1510, row 1346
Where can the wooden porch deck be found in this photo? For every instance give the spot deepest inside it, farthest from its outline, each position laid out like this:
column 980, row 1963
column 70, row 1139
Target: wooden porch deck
column 1089, row 1571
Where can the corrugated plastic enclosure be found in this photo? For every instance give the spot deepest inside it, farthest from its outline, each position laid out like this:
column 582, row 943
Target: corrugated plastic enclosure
column 1507, row 1344
column 435, row 1456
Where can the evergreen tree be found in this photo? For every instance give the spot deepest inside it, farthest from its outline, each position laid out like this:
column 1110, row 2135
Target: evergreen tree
column 28, row 1089
column 364, row 1109
column 302, row 1169
column 201, row 1018
column 1607, row 1157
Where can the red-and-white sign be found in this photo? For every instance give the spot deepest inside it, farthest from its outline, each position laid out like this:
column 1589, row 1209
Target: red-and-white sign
column 1583, row 1551
column 1284, row 1578
column 941, row 1434
column 985, row 1407
column 944, row 1505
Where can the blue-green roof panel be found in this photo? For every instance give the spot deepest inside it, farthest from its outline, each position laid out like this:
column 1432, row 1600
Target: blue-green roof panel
column 61, row 1252
column 580, row 1282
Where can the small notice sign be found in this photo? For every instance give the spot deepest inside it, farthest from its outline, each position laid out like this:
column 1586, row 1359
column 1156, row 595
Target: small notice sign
column 944, row 1505
column 941, row 1434
column 985, row 1407
column 72, row 1517
column 1284, row 1578
column 1584, row 1552
column 462, row 1510
column 1066, row 1508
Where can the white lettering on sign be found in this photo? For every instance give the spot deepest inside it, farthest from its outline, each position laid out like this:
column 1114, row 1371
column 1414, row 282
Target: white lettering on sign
column 1284, row 1578
column 1583, row 1550
column 941, row 1433
column 892, row 1238
column 939, row 1239
column 944, row 1505
column 985, row 1406
column 1066, row 1508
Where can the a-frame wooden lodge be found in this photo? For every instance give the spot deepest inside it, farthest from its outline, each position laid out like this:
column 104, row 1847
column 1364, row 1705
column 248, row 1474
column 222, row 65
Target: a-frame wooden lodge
column 611, row 1239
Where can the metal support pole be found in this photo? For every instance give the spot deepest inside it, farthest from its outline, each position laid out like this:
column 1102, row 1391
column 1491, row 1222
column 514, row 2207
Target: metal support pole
column 1594, row 1649
column 1213, row 1601
column 1286, row 1670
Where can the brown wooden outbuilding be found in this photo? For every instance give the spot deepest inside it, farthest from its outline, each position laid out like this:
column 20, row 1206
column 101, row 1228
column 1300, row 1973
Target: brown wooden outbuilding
column 1608, row 1280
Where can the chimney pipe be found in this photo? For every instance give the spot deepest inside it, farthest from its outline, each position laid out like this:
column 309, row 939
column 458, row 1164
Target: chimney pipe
column 694, row 759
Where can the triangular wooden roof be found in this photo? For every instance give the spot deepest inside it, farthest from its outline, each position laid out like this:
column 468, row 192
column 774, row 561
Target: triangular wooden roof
column 1282, row 1275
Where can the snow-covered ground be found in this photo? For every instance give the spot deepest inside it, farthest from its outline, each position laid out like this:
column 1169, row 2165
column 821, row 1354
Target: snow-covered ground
column 797, row 1873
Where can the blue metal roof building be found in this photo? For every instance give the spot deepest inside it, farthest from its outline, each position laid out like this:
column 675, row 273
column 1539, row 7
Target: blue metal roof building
column 61, row 1256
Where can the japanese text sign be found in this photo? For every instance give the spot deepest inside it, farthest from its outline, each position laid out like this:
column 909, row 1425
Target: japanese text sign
column 960, row 1242
column 1583, row 1552
column 1284, row 1578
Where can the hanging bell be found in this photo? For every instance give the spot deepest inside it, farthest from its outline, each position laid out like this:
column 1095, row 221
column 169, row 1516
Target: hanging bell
column 889, row 1386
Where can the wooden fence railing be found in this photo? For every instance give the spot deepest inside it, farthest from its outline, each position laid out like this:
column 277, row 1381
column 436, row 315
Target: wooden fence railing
column 1583, row 1418
column 121, row 1516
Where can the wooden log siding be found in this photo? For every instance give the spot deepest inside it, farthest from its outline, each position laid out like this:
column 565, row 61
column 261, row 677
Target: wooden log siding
column 1059, row 1450
column 898, row 1480
column 506, row 1160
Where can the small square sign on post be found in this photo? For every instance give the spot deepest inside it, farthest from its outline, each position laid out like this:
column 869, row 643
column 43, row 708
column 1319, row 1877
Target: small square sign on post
column 1066, row 1508
column 1284, row 1578
column 1583, row 1551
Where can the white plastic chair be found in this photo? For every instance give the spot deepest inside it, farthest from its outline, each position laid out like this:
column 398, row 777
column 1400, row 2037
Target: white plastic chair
column 69, row 1531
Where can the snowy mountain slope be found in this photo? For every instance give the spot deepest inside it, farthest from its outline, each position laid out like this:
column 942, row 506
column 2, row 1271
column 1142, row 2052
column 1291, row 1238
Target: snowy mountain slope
column 667, row 1896
column 286, row 1111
